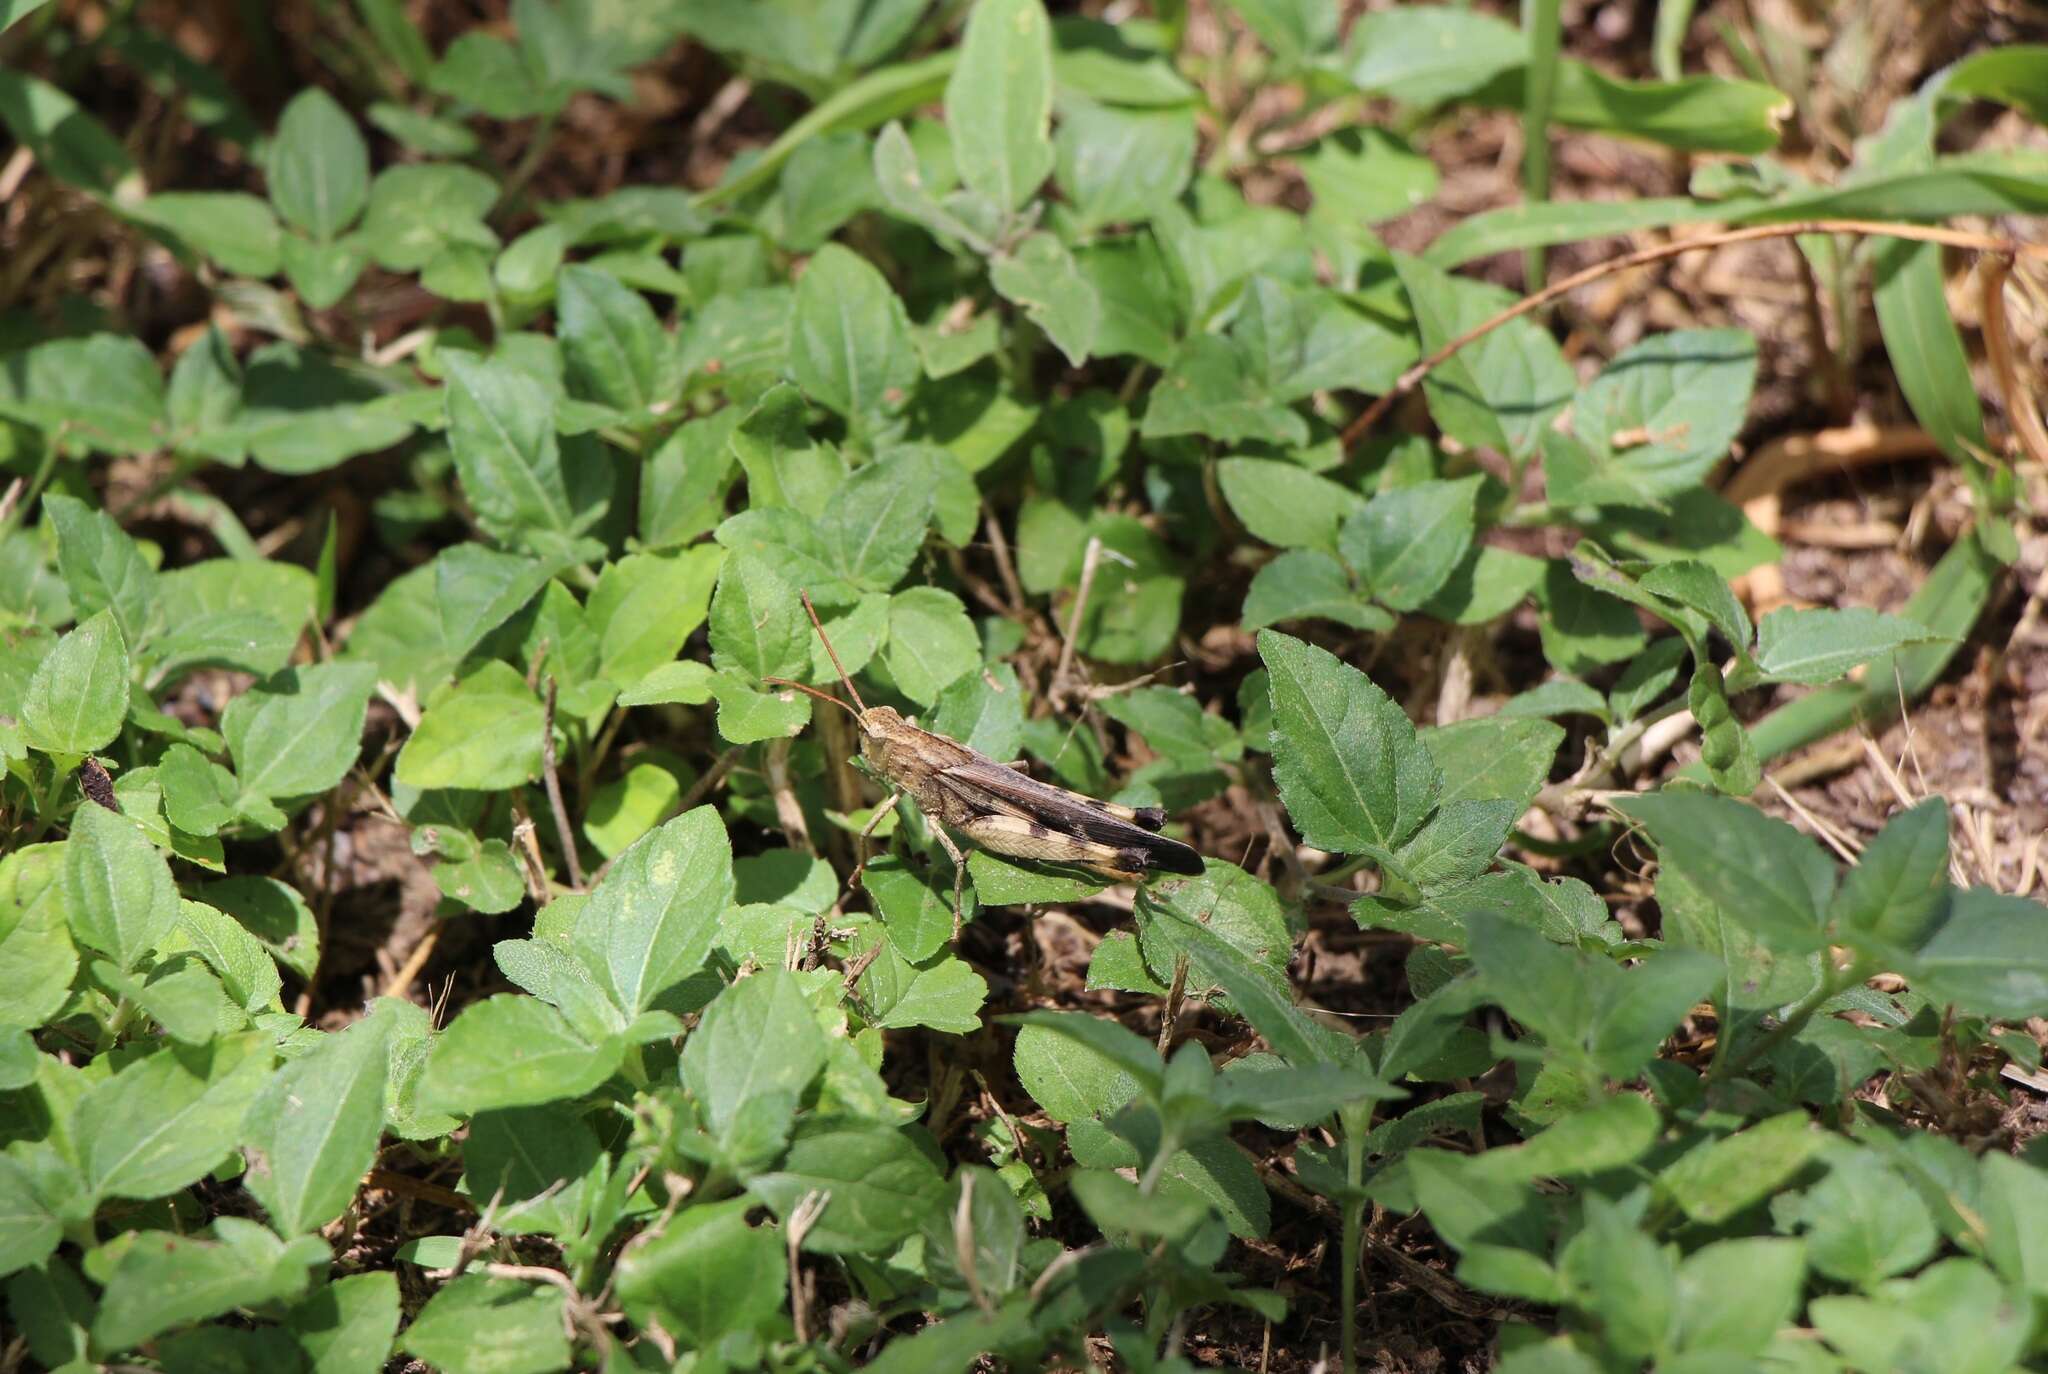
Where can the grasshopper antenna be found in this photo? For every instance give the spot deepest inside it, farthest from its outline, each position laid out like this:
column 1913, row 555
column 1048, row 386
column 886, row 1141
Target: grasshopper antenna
column 832, row 653
column 812, row 691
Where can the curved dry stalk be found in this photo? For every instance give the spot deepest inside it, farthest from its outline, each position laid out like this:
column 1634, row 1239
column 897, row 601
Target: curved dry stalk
column 2020, row 410
column 1953, row 238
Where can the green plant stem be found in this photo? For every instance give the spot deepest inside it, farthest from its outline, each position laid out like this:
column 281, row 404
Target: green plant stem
column 1169, row 1146
column 1543, row 21
column 1830, row 986
column 45, row 799
column 1355, row 1122
column 536, row 153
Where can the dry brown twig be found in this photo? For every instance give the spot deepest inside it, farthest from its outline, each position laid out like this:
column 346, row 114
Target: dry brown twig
column 565, row 836
column 1953, row 238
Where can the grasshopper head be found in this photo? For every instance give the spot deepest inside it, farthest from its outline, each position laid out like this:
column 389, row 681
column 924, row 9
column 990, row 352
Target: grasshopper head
column 882, row 722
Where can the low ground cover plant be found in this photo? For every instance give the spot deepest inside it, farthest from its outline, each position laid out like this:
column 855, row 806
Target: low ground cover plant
column 430, row 940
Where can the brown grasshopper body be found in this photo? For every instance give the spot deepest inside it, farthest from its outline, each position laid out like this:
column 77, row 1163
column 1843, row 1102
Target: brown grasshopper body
column 997, row 805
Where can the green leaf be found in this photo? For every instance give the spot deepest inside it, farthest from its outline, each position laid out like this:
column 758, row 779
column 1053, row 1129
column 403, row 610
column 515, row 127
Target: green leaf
column 1364, row 175
column 104, row 567
column 1303, row 584
column 480, row 733
column 1069, row 1079
column 999, row 102
column 319, row 167
column 614, row 348
column 1296, row 341
column 1609, row 1020
column 1697, row 587
column 233, row 228
column 118, row 892
column 2015, row 1204
column 1898, row 890
column 1761, row 872
column 169, row 1118
column 1582, row 628
column 68, row 141
column 749, row 713
column 1488, row 583
column 1111, row 1042
column 824, row 184
column 322, row 274
column 1734, row 1295
column 683, row 485
column 298, row 733
column 651, row 922
column 1350, row 770
column 501, row 428
column 919, row 920
column 78, row 697
column 1717, row 1179
column 1209, row 390
column 998, row 882
column 1814, row 646
column 849, row 342
column 1493, row 756
column 946, row 995
column 244, row 965
column 346, row 1326
column 757, row 622
column 1501, row 392
column 932, row 643
column 1115, row 165
column 1176, row 727
column 1863, row 1222
column 1407, row 542
column 512, row 1051
column 1660, row 417
column 876, row 521
column 419, row 212
column 856, row 637
column 29, row 1227
column 1427, row 54
column 984, row 711
column 879, row 1185
column 233, row 611
column 160, row 1280
column 758, row 1037
column 1987, row 958
column 1231, row 907
column 1116, row 1205
column 1697, row 113
column 646, row 605
column 1609, row 1134
column 1541, row 224
column 623, row 810
column 1284, row 503
column 1295, row 30
column 13, row 11
column 275, row 914
column 1140, row 312
column 313, row 1132
column 1955, row 1310
column 482, row 1325
column 1626, row 1278
column 706, row 1273
column 1040, row 275
column 1460, row 841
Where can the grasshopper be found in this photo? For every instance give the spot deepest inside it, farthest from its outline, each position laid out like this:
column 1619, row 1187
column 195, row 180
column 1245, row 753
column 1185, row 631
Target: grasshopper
column 997, row 805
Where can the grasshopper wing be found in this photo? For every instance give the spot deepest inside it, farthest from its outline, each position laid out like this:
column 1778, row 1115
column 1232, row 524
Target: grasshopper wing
column 991, row 789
